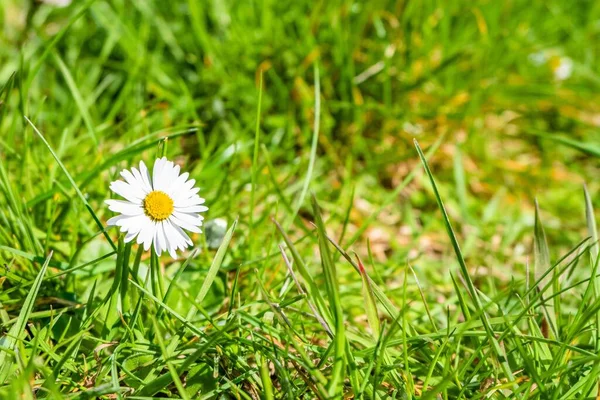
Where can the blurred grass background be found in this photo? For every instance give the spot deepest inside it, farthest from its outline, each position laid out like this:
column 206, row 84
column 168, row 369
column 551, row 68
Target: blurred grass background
column 482, row 73
column 508, row 90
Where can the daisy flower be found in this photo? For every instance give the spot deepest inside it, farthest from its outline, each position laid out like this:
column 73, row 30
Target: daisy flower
column 58, row 3
column 157, row 207
column 562, row 67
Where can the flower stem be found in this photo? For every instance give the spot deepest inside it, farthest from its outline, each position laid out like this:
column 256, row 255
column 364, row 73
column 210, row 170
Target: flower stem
column 155, row 275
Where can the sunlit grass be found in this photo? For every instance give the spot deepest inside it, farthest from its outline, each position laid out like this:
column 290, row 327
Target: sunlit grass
column 354, row 264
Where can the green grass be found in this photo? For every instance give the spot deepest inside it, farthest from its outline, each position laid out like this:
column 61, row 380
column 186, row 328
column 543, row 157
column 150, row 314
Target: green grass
column 356, row 262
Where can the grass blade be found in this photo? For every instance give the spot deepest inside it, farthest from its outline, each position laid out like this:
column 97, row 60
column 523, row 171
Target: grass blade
column 16, row 333
column 170, row 366
column 214, row 268
column 593, row 232
column 331, row 284
column 584, row 147
column 85, row 114
column 255, row 154
column 541, row 265
column 369, row 300
column 465, row 272
column 591, row 226
column 302, row 292
column 312, row 287
column 79, row 194
column 313, row 146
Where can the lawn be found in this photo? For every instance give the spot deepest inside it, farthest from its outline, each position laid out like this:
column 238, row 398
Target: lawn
column 400, row 199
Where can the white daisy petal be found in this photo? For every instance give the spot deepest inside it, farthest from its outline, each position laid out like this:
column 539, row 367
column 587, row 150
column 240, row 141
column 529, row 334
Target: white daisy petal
column 172, row 236
column 180, row 205
column 172, row 176
column 149, row 235
column 192, row 201
column 188, row 185
column 160, row 234
column 175, row 172
column 114, row 220
column 169, row 240
column 136, row 174
column 155, row 241
column 186, row 239
column 165, row 175
column 164, row 244
column 132, row 193
column 146, row 225
column 160, row 243
column 189, row 218
column 145, row 174
column 133, row 224
column 129, row 178
column 169, row 175
column 188, row 195
column 184, row 224
column 165, row 238
column 183, row 190
column 192, row 209
column 124, row 207
column 175, row 189
column 129, row 237
column 157, row 176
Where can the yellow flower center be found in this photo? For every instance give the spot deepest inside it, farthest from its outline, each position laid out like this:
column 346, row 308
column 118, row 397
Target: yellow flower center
column 158, row 205
column 554, row 63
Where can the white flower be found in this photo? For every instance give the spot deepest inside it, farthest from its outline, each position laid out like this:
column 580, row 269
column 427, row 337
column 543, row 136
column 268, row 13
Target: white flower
column 563, row 68
column 157, row 207
column 539, row 58
column 560, row 66
column 58, row 3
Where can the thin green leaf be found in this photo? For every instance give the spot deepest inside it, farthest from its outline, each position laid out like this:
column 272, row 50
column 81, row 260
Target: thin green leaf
column 214, row 268
column 541, row 265
column 369, row 300
column 331, row 284
column 79, row 194
column 255, row 153
column 17, row 332
column 170, row 366
column 83, row 110
column 465, row 272
column 315, row 141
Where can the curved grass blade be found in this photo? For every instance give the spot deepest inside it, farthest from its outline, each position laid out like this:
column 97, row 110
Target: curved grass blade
column 254, row 170
column 593, row 232
column 214, row 268
column 465, row 272
column 331, row 284
column 178, row 274
column 312, row 287
column 369, row 300
column 16, row 333
column 591, row 222
column 313, row 146
column 584, row 147
column 85, row 114
column 170, row 366
column 55, row 40
column 79, row 194
column 541, row 265
column 312, row 307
